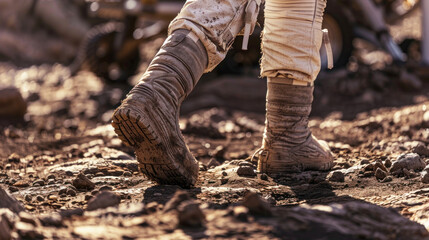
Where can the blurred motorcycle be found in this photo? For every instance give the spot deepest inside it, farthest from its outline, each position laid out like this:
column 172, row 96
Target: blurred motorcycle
column 110, row 50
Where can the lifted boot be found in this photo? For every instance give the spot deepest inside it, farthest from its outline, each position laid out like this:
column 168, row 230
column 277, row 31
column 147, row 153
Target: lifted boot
column 147, row 119
column 288, row 145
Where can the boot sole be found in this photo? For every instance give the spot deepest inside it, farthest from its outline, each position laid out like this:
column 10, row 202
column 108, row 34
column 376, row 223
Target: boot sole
column 136, row 130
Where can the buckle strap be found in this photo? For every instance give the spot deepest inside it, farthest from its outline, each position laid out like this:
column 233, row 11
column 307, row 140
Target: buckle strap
column 328, row 48
column 250, row 17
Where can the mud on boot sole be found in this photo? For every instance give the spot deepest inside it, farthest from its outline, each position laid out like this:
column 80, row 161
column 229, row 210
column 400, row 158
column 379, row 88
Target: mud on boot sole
column 136, row 129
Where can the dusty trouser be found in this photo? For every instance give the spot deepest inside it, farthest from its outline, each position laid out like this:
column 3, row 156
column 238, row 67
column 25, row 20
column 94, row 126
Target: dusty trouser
column 291, row 41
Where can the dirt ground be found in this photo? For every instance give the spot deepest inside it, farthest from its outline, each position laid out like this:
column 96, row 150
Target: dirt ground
column 74, row 179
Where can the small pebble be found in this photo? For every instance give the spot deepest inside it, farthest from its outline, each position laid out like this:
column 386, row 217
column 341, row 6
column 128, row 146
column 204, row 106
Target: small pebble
column 387, row 179
column 39, row 182
column 51, row 176
column 246, row 171
column 190, row 214
column 51, row 182
column 264, row 177
column 388, row 163
column 28, row 198
column 71, row 192
column 105, row 188
column 380, row 174
column 425, row 177
column 82, row 182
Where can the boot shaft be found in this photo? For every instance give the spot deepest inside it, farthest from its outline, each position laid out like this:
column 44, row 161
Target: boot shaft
column 176, row 68
column 287, row 111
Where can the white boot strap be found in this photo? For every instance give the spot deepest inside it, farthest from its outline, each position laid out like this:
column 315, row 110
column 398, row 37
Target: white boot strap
column 192, row 36
column 250, row 18
column 328, row 49
column 288, row 81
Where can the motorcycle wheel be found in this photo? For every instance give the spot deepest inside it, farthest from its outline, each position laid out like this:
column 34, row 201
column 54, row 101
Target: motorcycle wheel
column 100, row 54
column 341, row 35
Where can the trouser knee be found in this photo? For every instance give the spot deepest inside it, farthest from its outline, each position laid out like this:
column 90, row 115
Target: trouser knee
column 291, row 40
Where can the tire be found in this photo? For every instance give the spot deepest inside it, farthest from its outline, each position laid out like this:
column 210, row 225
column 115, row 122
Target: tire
column 340, row 34
column 99, row 54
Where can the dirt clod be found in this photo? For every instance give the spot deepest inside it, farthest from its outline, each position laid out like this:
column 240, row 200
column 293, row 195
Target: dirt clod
column 103, row 199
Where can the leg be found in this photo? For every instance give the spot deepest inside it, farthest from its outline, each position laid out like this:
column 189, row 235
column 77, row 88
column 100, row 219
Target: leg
column 148, row 118
column 291, row 41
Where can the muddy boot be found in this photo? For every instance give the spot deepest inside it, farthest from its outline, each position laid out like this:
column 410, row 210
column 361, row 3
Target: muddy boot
column 288, row 145
column 147, row 120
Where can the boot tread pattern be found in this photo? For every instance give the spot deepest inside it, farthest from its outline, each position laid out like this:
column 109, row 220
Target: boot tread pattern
column 135, row 130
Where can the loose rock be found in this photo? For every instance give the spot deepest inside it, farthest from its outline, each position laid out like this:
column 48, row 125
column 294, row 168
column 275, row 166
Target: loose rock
column 380, row 174
column 27, row 218
column 388, row 163
column 421, row 150
column 425, row 175
column 103, row 199
column 410, row 161
column 246, row 171
column 82, row 182
column 190, row 214
column 53, row 219
column 336, row 176
column 8, row 201
column 256, row 204
column 179, row 197
column 387, row 179
column 40, row 198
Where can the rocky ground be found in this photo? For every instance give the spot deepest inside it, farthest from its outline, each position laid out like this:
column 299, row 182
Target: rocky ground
column 65, row 174
column 73, row 178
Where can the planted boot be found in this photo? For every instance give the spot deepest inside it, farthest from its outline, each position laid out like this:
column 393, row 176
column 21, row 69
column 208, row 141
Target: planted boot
column 288, row 145
column 147, row 119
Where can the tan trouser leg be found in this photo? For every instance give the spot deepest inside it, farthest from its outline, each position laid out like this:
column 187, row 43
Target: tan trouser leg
column 216, row 23
column 291, row 40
